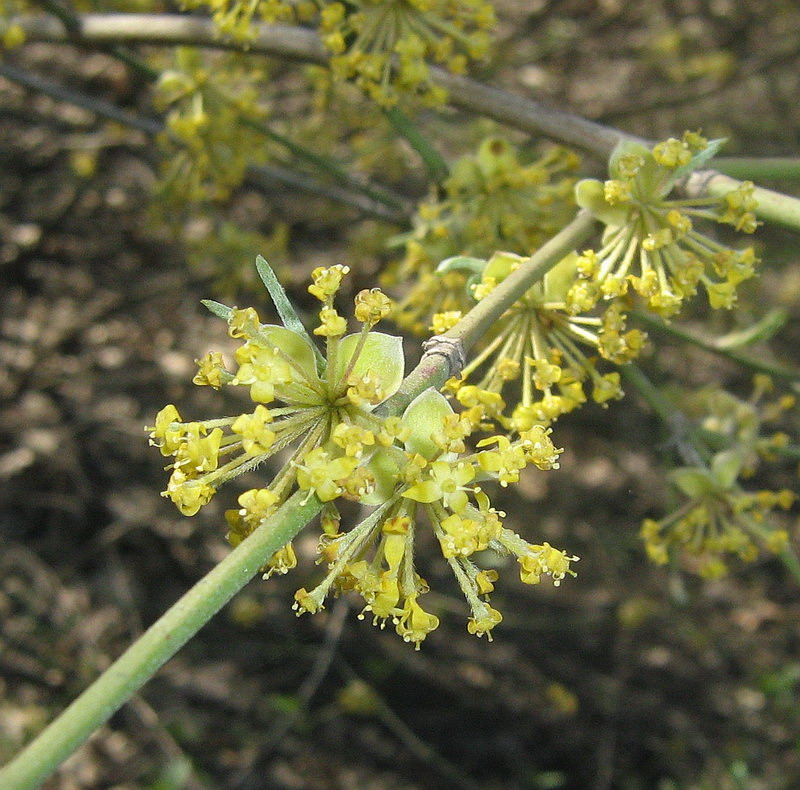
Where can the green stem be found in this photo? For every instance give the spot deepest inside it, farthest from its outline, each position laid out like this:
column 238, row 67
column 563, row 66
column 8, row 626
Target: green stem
column 158, row 644
column 479, row 320
column 772, row 206
column 327, row 165
column 689, row 442
column 437, row 167
column 770, row 368
column 766, row 168
column 434, row 368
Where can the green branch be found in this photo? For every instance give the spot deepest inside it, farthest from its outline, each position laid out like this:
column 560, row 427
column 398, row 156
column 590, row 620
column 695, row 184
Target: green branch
column 754, row 363
column 402, row 124
column 764, row 168
column 158, row 644
column 688, row 440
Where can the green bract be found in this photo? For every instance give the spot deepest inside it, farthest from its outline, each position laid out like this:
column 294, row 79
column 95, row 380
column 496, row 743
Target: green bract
column 697, row 482
column 424, row 416
column 380, row 355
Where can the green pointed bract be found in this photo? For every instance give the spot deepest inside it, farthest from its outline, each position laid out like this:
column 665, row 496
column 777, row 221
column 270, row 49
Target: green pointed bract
column 693, row 481
column 701, row 157
column 652, row 180
column 460, row 263
column 283, row 305
column 625, row 150
column 381, row 355
column 424, row 417
column 501, row 264
column 589, row 194
column 217, row 308
column 725, row 467
column 386, row 464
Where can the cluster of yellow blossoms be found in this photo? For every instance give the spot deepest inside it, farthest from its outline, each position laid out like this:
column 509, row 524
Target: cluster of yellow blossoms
column 493, row 201
column 384, row 46
column 412, row 468
column 207, row 148
column 650, row 243
column 541, row 351
column 718, row 517
column 540, row 360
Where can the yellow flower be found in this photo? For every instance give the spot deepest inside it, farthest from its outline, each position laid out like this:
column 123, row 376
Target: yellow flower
column 413, row 623
column 211, row 370
column 327, row 281
column 323, row 475
column 445, row 482
column 331, row 324
column 188, row 494
column 484, row 621
column 257, row 438
column 372, row 306
column 168, row 431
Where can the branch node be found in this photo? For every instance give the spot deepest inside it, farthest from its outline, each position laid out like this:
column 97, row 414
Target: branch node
column 451, row 348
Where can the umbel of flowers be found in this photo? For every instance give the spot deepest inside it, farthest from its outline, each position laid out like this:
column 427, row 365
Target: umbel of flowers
column 492, row 201
column 414, row 468
column 651, row 244
column 542, row 353
column 384, row 45
column 718, row 518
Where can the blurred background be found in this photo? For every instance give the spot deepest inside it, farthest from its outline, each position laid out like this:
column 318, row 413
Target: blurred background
column 630, row 676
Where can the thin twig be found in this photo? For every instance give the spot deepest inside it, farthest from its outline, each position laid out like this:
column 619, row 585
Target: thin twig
column 754, row 363
column 301, row 44
column 258, row 175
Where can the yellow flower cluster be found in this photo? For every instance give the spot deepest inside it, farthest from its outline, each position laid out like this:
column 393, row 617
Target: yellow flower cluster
column 432, row 477
column 718, row 523
column 415, row 469
column 206, row 147
column 493, row 201
column 318, row 405
column 384, row 45
column 540, row 355
column 718, row 517
column 651, row 244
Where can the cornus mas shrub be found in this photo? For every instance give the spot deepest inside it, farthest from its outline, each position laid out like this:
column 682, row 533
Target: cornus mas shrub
column 538, row 292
